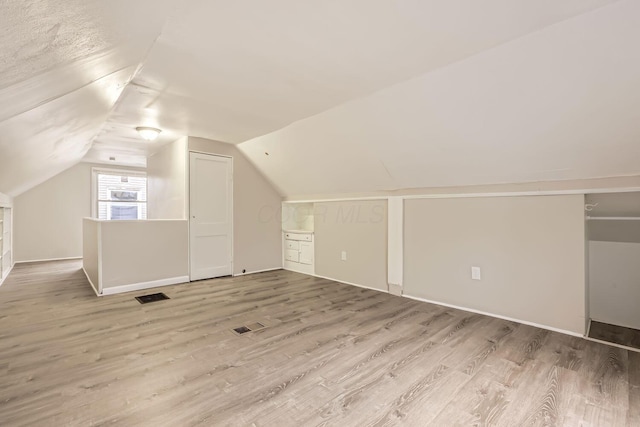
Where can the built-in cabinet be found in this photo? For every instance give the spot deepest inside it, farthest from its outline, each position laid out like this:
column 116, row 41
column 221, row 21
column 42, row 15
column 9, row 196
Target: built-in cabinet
column 6, row 255
column 298, row 237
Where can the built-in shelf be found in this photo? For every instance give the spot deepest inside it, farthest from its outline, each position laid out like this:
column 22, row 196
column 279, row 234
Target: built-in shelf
column 298, row 237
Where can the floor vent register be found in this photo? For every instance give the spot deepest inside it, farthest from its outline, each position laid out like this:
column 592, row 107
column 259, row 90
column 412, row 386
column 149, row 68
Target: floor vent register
column 248, row 328
column 144, row 299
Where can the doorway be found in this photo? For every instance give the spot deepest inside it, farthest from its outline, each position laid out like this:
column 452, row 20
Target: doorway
column 210, row 216
column 613, row 233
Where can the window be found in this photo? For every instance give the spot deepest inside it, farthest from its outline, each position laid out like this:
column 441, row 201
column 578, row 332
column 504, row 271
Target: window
column 119, row 194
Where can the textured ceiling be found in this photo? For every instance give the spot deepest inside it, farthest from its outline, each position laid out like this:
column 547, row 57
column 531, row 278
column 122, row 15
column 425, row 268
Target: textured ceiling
column 63, row 66
column 345, row 96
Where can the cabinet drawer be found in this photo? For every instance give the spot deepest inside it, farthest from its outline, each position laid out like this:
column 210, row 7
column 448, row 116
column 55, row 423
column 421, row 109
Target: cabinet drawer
column 305, row 237
column 292, row 244
column 291, row 255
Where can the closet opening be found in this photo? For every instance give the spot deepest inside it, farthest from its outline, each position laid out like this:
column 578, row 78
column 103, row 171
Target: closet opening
column 613, row 268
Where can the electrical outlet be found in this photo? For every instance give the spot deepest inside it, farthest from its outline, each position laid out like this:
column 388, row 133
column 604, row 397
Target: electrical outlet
column 475, row 273
column 343, row 256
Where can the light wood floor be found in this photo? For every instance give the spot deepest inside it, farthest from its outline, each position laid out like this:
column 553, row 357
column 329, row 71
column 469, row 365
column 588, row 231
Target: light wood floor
column 331, row 354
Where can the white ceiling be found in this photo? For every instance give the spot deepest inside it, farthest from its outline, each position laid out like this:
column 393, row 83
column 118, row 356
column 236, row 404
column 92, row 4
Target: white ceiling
column 63, row 66
column 560, row 103
column 345, row 96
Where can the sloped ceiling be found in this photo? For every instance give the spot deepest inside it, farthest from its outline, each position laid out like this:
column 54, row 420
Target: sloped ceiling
column 345, row 96
column 63, row 65
column 560, row 103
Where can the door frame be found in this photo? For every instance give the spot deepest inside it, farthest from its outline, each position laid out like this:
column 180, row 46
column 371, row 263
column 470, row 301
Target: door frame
column 188, row 207
column 587, row 281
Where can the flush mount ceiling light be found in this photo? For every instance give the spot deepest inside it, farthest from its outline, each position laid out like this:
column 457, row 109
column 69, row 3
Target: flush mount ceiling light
column 148, row 133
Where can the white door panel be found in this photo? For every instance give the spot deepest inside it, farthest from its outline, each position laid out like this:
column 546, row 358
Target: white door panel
column 306, row 253
column 211, row 215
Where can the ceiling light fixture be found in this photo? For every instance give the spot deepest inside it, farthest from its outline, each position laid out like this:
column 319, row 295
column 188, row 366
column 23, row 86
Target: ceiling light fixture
column 148, row 133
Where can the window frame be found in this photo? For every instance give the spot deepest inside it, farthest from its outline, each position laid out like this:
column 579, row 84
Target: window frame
column 95, row 171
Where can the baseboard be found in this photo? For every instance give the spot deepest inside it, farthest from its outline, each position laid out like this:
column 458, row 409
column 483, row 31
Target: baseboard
column 145, row 285
column 349, row 283
column 298, row 268
column 4, row 277
column 395, row 289
column 257, row 271
column 498, row 316
column 90, row 282
column 48, row 260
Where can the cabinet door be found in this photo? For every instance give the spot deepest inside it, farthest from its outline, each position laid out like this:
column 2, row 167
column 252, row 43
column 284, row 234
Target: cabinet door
column 291, row 255
column 306, row 253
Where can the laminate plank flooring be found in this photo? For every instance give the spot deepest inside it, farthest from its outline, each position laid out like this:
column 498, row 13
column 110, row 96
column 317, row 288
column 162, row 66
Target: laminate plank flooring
column 615, row 334
column 330, row 355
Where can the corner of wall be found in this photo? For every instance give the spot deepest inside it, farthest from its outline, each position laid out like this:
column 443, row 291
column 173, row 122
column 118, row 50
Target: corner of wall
column 5, row 201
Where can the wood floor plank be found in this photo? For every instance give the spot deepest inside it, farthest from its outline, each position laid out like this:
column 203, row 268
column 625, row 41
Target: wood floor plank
column 330, row 355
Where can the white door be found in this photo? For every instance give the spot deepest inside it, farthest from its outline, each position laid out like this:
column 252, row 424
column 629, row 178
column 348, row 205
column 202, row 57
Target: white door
column 210, row 216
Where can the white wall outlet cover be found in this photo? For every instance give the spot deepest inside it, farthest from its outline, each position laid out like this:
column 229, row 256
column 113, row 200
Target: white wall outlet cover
column 475, row 273
column 343, row 256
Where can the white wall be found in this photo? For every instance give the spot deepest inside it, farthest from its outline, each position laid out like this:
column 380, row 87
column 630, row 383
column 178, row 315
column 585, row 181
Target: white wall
column 48, row 217
column 167, row 182
column 91, row 251
column 257, row 222
column 136, row 252
column 360, row 229
column 614, row 283
column 614, row 230
column 531, row 251
column 5, row 201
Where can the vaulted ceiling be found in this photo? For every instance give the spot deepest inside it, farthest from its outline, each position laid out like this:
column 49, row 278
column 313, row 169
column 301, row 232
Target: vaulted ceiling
column 345, row 96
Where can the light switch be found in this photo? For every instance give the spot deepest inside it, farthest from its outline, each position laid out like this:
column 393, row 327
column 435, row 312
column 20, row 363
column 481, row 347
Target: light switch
column 475, row 273
column 343, row 256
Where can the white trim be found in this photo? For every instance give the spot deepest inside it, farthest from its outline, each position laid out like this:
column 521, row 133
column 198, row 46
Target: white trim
column 613, row 218
column 90, row 282
column 484, row 313
column 258, row 271
column 525, row 193
column 5, row 275
column 209, row 153
column 473, row 195
column 347, row 283
column 511, row 319
column 145, row 285
column 395, row 241
column 99, row 237
column 338, row 199
column 48, row 260
column 121, row 221
column 118, row 171
column 395, row 290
